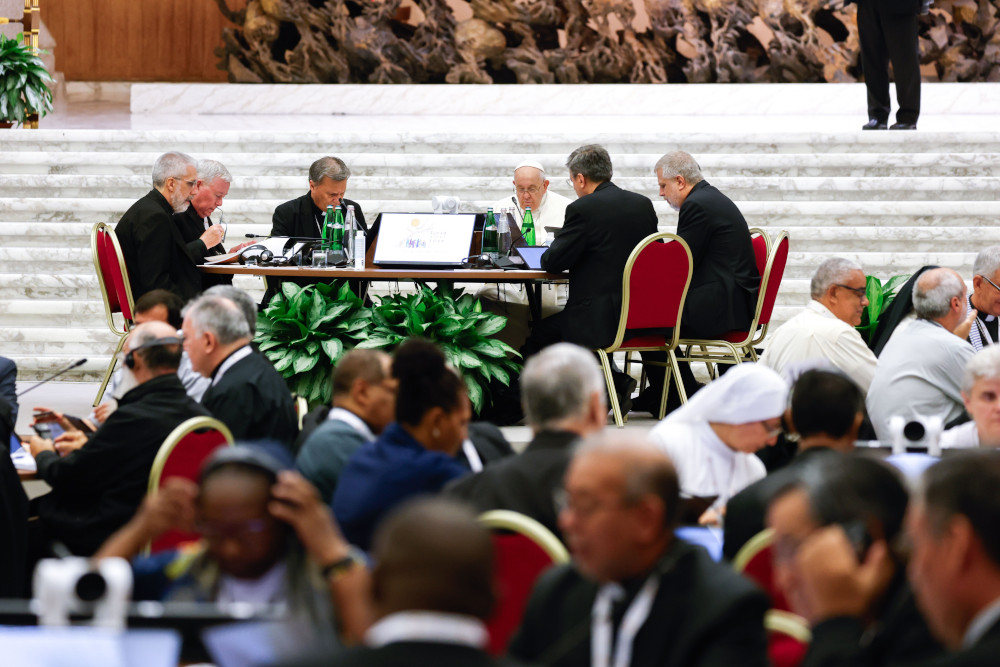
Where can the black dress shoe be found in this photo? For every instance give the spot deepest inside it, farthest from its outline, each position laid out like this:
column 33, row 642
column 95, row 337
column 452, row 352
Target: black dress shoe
column 903, row 126
column 873, row 124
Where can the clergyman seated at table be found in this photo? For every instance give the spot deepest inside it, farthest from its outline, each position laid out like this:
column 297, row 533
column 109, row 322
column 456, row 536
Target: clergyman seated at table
column 266, row 538
column 634, row 593
column 98, row 481
column 246, row 393
column 203, row 237
column 562, row 392
column 823, row 332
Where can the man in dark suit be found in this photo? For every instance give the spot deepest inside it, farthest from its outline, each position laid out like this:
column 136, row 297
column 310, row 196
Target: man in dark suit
column 8, row 386
column 13, row 505
column 432, row 589
column 155, row 251
column 204, row 239
column 724, row 280
column 887, row 31
column 246, row 393
column 634, row 591
column 601, row 230
column 827, row 409
column 562, row 392
column 98, row 481
column 955, row 563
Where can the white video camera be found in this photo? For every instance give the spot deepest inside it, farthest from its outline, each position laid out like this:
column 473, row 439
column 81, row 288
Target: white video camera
column 916, row 432
column 445, row 204
column 76, row 586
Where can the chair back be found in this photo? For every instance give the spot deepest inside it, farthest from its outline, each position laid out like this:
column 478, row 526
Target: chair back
column 788, row 638
column 181, row 455
column 654, row 286
column 524, row 549
column 761, row 248
column 755, row 561
column 112, row 276
column 771, row 280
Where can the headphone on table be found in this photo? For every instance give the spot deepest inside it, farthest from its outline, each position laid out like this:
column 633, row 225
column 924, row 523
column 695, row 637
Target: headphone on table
column 156, row 342
column 263, row 257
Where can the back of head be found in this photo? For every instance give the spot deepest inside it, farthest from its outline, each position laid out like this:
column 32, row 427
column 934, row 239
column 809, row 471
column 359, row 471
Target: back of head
column 171, row 165
column 357, row 364
column 852, row 488
column 832, row 271
column 557, row 384
column 432, row 555
column 934, row 291
column 144, row 342
column 425, row 381
column 209, row 170
column 329, row 167
column 592, row 161
column 825, row 403
column 679, row 163
column 987, row 262
column 241, row 299
column 984, row 365
column 220, row 316
column 966, row 484
column 165, row 298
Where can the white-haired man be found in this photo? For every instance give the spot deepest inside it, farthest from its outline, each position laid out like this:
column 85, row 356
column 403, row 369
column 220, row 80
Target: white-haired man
column 920, row 370
column 823, row 334
column 981, row 395
column 985, row 297
column 155, row 251
column 531, row 190
column 203, row 238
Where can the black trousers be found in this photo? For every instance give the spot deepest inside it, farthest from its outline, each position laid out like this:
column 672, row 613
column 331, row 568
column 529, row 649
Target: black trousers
column 887, row 37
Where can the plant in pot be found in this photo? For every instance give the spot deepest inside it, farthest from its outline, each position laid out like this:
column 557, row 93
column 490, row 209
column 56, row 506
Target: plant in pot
column 880, row 297
column 23, row 79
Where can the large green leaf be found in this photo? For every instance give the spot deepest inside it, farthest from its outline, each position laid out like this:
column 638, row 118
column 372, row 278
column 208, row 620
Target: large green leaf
column 333, row 348
column 305, row 363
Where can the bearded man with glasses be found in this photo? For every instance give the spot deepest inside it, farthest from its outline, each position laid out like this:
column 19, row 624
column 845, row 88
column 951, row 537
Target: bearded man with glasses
column 985, row 298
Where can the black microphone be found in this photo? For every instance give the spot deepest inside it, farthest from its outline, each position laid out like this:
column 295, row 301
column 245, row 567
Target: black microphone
column 517, row 207
column 78, row 362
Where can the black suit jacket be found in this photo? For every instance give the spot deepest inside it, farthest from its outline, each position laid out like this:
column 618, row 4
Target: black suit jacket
column 725, row 280
column 489, row 442
column 298, row 217
column 97, row 488
column 704, row 615
column 8, row 386
column 524, row 483
column 155, row 251
column 253, row 400
column 984, row 653
column 192, row 227
column 13, row 516
column 600, row 232
column 408, row 654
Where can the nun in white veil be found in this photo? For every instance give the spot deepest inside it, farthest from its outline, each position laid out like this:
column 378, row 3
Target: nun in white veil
column 712, row 438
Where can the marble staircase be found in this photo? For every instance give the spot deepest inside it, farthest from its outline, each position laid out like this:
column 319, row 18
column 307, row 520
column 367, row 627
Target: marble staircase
column 892, row 201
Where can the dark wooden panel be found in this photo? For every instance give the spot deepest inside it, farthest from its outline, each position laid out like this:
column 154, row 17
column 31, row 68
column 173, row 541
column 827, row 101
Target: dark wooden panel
column 136, row 40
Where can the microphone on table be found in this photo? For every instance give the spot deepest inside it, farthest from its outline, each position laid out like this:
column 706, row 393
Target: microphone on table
column 78, row 362
column 517, row 207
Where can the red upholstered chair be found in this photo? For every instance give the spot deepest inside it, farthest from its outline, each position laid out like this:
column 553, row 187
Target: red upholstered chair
column 181, row 455
column 654, row 287
column 524, row 549
column 112, row 276
column 754, row 560
column 734, row 346
column 788, row 638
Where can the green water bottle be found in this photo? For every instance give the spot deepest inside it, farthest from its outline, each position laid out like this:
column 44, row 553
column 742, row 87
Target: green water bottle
column 336, row 237
column 327, row 223
column 528, row 228
column 491, row 236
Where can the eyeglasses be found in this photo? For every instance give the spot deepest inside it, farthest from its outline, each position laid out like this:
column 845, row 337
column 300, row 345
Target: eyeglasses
column 990, row 282
column 533, row 190
column 181, row 180
column 582, row 507
column 861, row 292
column 242, row 531
column 772, row 432
column 569, row 182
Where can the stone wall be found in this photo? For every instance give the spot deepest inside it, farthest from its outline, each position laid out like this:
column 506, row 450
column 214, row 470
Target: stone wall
column 585, row 41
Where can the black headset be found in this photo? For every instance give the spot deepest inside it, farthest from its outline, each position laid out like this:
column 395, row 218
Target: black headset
column 156, row 342
column 263, row 257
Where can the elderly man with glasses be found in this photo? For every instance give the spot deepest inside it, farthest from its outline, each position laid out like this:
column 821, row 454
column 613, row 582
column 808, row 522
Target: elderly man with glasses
column 531, row 190
column 985, row 298
column 154, row 248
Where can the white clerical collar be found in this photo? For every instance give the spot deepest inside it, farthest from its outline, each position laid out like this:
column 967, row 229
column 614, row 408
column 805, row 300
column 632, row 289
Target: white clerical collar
column 983, row 621
column 352, row 420
column 230, row 361
column 428, row 626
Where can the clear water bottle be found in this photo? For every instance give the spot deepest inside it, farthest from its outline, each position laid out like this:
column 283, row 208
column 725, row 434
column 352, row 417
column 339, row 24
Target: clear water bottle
column 503, row 228
column 359, row 249
column 350, row 230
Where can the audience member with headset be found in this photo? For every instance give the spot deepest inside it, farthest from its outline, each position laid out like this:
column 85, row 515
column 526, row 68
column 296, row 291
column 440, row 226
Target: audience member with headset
column 98, row 480
column 414, row 454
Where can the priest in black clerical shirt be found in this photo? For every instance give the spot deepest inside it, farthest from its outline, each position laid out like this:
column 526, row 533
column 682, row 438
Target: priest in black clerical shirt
column 204, row 239
column 985, row 297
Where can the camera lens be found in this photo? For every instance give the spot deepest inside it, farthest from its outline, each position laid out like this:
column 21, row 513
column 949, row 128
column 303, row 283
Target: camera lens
column 91, row 587
column 914, row 431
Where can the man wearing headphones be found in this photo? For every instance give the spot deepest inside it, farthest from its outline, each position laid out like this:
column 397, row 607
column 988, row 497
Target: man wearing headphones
column 99, row 480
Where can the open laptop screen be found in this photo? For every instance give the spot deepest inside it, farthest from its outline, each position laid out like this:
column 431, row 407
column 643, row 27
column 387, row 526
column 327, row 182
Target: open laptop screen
column 428, row 239
column 532, row 256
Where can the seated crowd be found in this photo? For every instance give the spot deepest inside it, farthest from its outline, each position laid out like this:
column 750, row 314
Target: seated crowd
column 362, row 524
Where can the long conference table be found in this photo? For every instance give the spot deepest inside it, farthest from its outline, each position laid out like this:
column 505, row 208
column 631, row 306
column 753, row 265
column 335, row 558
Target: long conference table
column 532, row 280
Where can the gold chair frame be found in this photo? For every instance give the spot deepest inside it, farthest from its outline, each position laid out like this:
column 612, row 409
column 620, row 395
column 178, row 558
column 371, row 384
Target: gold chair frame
column 787, row 623
column 530, row 528
column 182, row 430
column 753, row 546
column 127, row 325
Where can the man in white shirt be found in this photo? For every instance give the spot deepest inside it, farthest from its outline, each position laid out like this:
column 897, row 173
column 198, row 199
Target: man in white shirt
column 981, row 394
column 823, row 334
column 919, row 373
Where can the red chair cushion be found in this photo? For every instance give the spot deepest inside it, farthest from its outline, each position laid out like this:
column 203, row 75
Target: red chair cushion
column 519, row 562
column 760, row 569
column 760, row 253
column 774, row 280
column 656, row 286
column 785, row 651
column 114, row 280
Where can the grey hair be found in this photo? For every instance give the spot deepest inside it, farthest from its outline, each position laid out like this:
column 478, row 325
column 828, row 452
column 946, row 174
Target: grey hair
column 241, row 299
column 984, row 365
column 934, row 291
column 987, row 262
column 171, row 165
column 329, row 167
column 209, row 170
column 557, row 384
column 830, row 272
column 679, row 163
column 218, row 315
column 592, row 161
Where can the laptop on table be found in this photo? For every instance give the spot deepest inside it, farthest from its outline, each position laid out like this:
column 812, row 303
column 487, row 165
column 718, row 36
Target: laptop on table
column 424, row 240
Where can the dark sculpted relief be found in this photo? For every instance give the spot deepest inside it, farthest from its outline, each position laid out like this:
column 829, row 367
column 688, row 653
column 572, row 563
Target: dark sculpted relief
column 586, row 41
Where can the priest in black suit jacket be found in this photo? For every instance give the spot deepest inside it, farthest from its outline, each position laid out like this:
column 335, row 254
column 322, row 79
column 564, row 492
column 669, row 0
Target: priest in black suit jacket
column 955, row 562
column 246, row 393
column 155, row 250
column 635, row 590
column 202, row 237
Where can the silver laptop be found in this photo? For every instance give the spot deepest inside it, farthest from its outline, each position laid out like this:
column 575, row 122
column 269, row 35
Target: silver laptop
column 424, row 239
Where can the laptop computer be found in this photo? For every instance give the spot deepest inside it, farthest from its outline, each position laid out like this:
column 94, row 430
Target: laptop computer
column 424, row 239
column 532, row 256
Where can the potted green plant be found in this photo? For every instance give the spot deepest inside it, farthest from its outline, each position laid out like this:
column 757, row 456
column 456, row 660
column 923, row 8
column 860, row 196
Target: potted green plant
column 880, row 296
column 23, row 79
